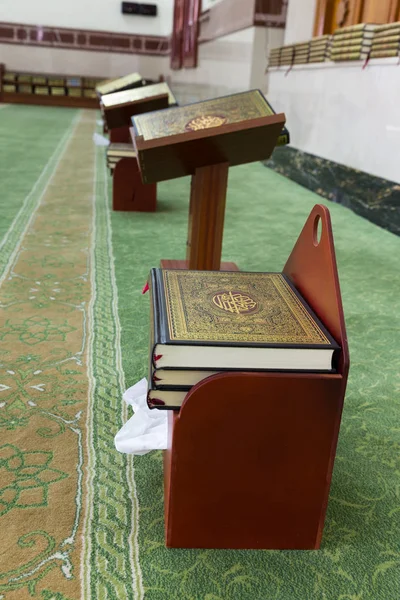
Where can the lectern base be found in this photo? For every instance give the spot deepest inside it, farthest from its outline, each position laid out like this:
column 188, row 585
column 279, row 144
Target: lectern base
column 184, row 264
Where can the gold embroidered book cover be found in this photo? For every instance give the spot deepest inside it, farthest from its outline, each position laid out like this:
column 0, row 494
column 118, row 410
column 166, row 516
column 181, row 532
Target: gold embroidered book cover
column 202, row 115
column 237, row 307
column 204, row 322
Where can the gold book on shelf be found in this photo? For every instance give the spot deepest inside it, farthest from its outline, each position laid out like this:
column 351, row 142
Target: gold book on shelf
column 25, row 88
column 56, row 81
column 39, row 80
column 120, row 150
column 119, row 84
column 24, row 79
column 89, row 94
column 9, row 77
column 75, row 92
column 9, row 87
column 41, row 90
column 57, row 91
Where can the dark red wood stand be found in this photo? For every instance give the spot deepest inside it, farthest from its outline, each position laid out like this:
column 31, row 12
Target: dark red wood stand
column 250, row 456
column 129, row 193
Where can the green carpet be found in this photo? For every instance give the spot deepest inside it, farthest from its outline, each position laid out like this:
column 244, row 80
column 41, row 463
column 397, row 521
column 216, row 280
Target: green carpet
column 360, row 554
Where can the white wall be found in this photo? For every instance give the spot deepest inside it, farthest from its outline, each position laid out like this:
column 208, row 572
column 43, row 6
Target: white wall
column 300, row 21
column 102, row 15
column 207, row 4
column 81, row 62
column 265, row 38
column 235, row 62
column 343, row 113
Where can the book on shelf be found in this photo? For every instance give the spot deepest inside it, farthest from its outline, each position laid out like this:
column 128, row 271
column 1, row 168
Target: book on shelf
column 211, row 321
column 56, row 81
column 120, row 150
column 24, row 79
column 384, row 53
column 387, row 27
column 386, row 40
column 25, row 88
column 41, row 90
column 9, row 87
column 9, row 77
column 120, row 83
column 352, row 28
column 57, row 91
column 350, row 54
column 89, row 93
column 39, row 80
column 352, row 35
column 74, row 92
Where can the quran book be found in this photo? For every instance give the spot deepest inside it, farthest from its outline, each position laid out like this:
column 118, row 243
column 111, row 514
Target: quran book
column 24, row 79
column 57, row 91
column 25, row 88
column 57, row 81
column 89, row 94
column 137, row 94
column 38, row 80
column 236, row 129
column 351, row 28
column 9, row 77
column 9, row 87
column 164, row 379
column 352, row 35
column 217, row 320
column 41, row 90
column 108, row 87
column 202, row 115
column 387, row 39
column 121, row 150
column 384, row 53
column 75, row 92
column 387, row 27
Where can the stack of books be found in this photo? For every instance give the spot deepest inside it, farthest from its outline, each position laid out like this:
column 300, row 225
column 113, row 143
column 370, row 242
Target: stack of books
column 117, row 151
column 386, row 41
column 320, row 48
column 287, row 55
column 301, row 53
column 274, row 57
column 353, row 42
column 207, row 322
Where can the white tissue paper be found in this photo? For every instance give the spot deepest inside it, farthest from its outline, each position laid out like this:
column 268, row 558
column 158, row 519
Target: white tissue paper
column 146, row 430
column 100, row 140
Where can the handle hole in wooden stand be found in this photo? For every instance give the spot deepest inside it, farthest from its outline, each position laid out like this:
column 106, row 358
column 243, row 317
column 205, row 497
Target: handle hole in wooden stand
column 317, row 230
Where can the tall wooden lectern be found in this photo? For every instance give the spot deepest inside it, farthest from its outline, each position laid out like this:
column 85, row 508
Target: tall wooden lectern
column 203, row 140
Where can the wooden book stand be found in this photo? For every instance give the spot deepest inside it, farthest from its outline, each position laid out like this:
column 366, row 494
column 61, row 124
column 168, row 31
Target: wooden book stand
column 250, row 455
column 120, row 135
column 129, row 193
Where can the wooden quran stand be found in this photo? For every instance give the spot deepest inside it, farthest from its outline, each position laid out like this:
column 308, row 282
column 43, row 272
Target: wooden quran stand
column 206, row 221
column 206, row 155
column 250, row 455
column 129, row 192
